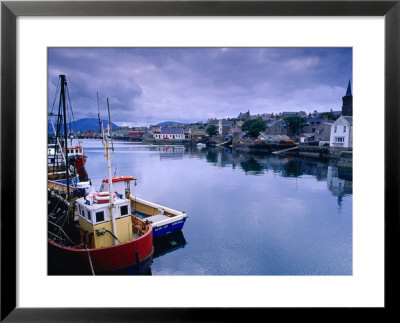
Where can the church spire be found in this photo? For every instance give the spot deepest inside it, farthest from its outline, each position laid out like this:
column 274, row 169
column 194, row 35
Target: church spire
column 348, row 92
column 347, row 107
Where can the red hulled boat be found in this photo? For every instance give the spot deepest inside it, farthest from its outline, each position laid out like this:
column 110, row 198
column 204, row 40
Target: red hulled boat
column 95, row 232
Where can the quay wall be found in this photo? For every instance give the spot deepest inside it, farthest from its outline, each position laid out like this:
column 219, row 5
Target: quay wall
column 268, row 148
column 303, row 151
column 184, row 142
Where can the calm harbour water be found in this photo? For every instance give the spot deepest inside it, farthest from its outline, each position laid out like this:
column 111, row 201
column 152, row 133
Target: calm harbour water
column 247, row 214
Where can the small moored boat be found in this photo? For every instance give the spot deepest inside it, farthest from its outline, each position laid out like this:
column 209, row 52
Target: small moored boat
column 164, row 220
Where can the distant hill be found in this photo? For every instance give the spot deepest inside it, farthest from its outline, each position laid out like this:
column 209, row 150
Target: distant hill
column 86, row 124
column 169, row 123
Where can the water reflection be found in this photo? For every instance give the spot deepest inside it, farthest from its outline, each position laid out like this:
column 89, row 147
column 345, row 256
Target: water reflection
column 339, row 186
column 169, row 152
column 252, row 166
column 169, row 243
column 339, row 181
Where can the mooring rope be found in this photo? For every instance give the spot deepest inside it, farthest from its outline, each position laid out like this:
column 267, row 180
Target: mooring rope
column 90, row 260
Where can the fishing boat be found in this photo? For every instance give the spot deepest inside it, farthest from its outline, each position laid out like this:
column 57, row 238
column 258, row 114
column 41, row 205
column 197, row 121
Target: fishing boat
column 96, row 233
column 65, row 162
column 164, row 220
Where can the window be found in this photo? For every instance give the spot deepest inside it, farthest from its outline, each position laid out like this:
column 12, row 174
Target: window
column 89, row 217
column 339, row 139
column 344, row 128
column 82, row 213
column 335, row 129
column 100, row 216
column 124, row 210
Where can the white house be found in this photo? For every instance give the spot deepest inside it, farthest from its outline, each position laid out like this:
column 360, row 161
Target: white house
column 342, row 132
column 170, row 133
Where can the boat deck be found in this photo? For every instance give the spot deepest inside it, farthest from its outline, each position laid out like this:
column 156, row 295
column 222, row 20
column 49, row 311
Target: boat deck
column 157, row 218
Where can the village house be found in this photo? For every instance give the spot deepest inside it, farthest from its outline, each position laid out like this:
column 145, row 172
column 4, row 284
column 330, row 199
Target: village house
column 197, row 134
column 239, row 124
column 169, row 133
column 312, row 125
column 224, row 127
column 268, row 117
column 276, row 128
column 342, row 132
column 323, row 132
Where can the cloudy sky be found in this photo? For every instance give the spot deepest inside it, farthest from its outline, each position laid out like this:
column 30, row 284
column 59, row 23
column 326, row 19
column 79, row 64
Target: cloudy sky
column 150, row 85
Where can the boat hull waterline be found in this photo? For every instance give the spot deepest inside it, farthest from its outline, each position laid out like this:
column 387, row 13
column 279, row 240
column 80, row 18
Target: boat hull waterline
column 82, row 261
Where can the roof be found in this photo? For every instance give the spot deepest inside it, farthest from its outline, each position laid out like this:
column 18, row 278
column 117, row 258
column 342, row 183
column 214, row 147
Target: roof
column 226, row 123
column 348, row 92
column 348, row 119
column 173, row 131
column 290, row 114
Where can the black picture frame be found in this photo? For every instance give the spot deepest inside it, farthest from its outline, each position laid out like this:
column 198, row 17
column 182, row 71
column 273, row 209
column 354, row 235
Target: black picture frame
column 10, row 10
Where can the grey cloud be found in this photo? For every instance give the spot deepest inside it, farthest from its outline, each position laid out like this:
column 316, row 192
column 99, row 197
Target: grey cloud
column 191, row 84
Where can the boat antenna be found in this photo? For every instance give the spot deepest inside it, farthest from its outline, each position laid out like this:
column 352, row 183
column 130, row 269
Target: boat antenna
column 110, row 125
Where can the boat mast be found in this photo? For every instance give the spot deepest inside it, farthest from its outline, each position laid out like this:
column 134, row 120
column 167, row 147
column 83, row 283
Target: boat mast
column 106, row 137
column 62, row 101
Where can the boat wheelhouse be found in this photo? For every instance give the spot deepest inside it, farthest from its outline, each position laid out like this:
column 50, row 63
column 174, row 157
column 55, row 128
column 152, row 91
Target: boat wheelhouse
column 95, row 216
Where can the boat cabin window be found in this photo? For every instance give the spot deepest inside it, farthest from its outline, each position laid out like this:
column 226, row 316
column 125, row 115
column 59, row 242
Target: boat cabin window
column 99, row 216
column 124, row 210
column 89, row 217
column 82, row 212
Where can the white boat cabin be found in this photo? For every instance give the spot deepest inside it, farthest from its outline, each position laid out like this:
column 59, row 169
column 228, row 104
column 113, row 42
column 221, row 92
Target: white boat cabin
column 95, row 214
column 120, row 184
column 55, row 157
column 75, row 151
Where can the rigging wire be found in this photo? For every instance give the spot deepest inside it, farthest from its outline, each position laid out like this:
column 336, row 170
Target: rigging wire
column 72, row 112
column 61, row 230
column 55, row 97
